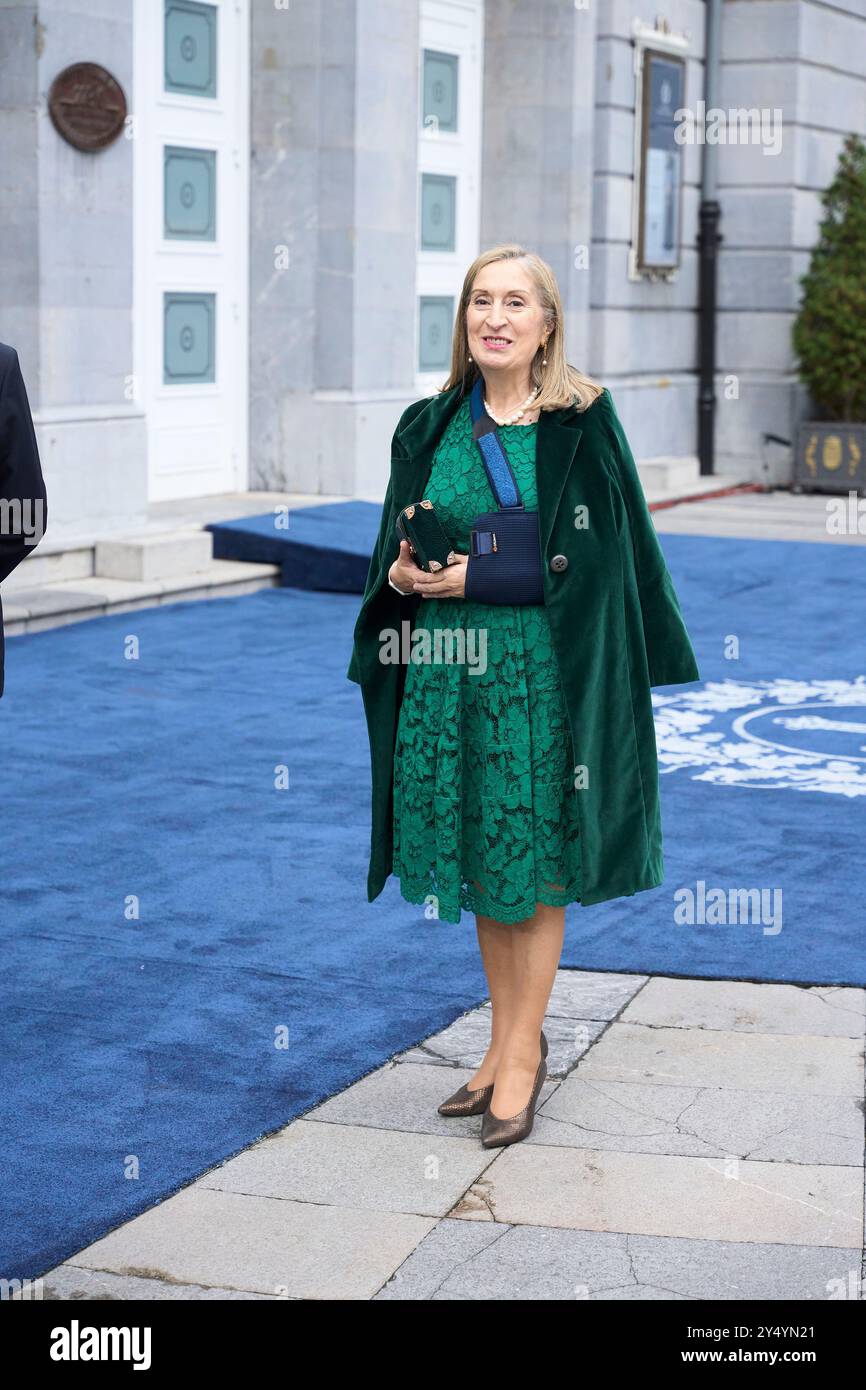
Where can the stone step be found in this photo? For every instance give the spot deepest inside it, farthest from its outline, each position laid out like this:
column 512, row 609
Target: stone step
column 148, row 558
column 668, row 474
column 69, row 601
column 51, row 565
column 667, row 477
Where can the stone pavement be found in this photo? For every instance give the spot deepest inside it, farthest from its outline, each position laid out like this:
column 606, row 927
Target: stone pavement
column 695, row 1140
column 767, row 516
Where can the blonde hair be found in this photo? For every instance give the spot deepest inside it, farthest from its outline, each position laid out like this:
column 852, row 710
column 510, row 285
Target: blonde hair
column 559, row 383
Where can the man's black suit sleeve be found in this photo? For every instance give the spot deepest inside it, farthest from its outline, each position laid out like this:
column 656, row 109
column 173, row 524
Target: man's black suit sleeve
column 21, row 481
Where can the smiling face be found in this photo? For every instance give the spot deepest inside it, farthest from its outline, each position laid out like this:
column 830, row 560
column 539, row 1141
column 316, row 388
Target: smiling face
column 504, row 319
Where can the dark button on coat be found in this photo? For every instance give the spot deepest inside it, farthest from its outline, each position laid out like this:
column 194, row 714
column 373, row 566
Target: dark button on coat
column 615, row 620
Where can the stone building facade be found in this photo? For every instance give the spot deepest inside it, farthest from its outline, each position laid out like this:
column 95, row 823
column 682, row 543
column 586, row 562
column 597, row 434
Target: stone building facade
column 246, row 287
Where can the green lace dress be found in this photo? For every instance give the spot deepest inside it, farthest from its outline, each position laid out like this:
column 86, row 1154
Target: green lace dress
column 485, row 810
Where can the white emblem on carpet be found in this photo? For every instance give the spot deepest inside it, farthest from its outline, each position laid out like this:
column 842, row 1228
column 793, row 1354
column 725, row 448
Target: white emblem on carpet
column 809, row 735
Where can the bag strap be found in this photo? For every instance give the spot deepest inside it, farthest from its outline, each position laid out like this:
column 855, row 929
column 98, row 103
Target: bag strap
column 502, row 481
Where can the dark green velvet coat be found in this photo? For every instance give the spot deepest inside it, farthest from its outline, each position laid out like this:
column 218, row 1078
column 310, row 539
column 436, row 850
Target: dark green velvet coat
column 615, row 619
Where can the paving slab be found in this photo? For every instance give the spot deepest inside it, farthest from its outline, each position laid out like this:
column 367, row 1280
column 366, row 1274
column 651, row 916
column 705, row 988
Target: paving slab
column 696, row 1198
column 72, row 1282
column 585, row 994
column 260, row 1245
column 462, row 1260
column 794, row 1064
column 432, row 1264
column 632, row 1117
column 398, row 1097
column 464, row 1042
column 711, row 1269
column 355, row 1166
column 732, row 1005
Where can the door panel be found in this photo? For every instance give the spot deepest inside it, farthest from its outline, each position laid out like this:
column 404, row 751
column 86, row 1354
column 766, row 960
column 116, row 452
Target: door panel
column 449, row 173
column 191, row 133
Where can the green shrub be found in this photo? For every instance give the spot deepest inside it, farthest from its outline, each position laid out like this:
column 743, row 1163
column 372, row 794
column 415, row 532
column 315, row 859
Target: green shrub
column 829, row 334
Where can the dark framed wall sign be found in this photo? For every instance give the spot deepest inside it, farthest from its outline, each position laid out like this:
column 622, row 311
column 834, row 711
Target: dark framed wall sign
column 659, row 164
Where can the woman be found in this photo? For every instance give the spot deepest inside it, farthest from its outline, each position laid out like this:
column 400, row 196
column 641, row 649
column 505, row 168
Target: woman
column 515, row 789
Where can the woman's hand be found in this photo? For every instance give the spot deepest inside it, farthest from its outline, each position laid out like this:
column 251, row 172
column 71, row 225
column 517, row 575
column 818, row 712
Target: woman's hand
column 404, row 571
column 449, row 582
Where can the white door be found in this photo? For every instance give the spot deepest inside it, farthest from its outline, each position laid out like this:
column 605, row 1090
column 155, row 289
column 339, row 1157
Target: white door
column 191, row 142
column 449, row 173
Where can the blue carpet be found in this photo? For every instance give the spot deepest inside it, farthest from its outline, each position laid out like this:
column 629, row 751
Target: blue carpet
column 168, row 910
column 324, row 548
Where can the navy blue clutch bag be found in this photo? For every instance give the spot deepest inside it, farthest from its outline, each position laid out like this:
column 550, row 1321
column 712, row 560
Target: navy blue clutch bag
column 504, row 564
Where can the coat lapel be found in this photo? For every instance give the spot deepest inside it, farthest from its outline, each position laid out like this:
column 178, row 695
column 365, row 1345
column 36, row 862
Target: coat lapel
column 558, row 439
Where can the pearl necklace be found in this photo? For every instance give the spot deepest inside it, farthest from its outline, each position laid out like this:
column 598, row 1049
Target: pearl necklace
column 513, row 419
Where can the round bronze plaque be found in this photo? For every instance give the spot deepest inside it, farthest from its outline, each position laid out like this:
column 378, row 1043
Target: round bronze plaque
column 87, row 106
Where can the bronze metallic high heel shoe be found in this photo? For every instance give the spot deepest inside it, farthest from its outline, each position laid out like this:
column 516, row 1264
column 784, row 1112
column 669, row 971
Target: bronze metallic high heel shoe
column 496, row 1132
column 466, row 1102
